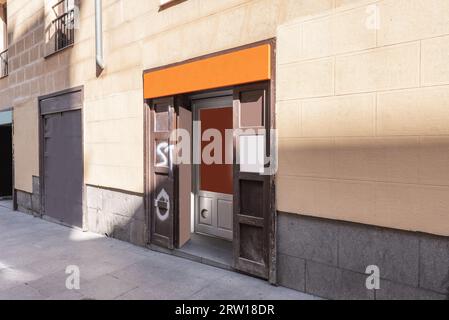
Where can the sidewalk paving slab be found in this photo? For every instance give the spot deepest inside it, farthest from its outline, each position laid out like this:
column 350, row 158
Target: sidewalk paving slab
column 34, row 255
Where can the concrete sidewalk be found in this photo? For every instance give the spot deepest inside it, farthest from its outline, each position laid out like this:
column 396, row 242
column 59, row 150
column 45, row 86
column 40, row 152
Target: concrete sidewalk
column 34, row 255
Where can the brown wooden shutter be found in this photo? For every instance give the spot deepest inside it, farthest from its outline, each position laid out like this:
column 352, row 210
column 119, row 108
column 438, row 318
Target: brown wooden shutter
column 162, row 200
column 253, row 223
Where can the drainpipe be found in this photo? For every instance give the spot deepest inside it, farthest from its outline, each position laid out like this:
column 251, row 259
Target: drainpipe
column 99, row 34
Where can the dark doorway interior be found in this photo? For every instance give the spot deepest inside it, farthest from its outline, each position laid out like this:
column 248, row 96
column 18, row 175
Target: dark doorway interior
column 5, row 161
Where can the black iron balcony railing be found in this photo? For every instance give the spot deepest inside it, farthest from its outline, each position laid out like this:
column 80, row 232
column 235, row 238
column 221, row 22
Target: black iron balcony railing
column 3, row 64
column 64, row 27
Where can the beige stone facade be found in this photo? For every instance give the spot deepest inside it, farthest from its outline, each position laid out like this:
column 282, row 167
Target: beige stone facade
column 369, row 140
column 362, row 103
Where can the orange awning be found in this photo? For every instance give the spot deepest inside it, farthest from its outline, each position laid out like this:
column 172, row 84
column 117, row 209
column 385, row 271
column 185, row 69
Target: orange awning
column 238, row 67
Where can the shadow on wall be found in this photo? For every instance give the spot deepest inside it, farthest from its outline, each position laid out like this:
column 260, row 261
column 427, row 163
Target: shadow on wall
column 117, row 214
column 37, row 54
column 44, row 72
column 399, row 182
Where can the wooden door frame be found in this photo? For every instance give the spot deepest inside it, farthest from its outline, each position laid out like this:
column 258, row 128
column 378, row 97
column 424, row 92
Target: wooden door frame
column 71, row 106
column 210, row 93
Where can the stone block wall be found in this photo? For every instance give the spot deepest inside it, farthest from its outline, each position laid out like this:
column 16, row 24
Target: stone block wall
column 329, row 259
column 30, row 202
column 116, row 214
column 363, row 114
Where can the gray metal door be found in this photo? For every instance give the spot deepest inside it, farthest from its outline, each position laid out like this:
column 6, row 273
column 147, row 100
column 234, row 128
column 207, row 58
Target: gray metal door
column 63, row 167
column 214, row 181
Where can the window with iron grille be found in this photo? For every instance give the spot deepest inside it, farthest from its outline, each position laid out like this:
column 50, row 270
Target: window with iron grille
column 3, row 40
column 3, row 64
column 64, row 24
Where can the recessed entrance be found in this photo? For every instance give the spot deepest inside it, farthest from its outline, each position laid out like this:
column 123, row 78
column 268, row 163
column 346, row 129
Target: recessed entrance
column 211, row 208
column 212, row 186
column 219, row 201
column 204, row 184
column 213, row 177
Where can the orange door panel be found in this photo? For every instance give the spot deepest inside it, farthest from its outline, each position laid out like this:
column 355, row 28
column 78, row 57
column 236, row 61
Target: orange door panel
column 216, row 177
